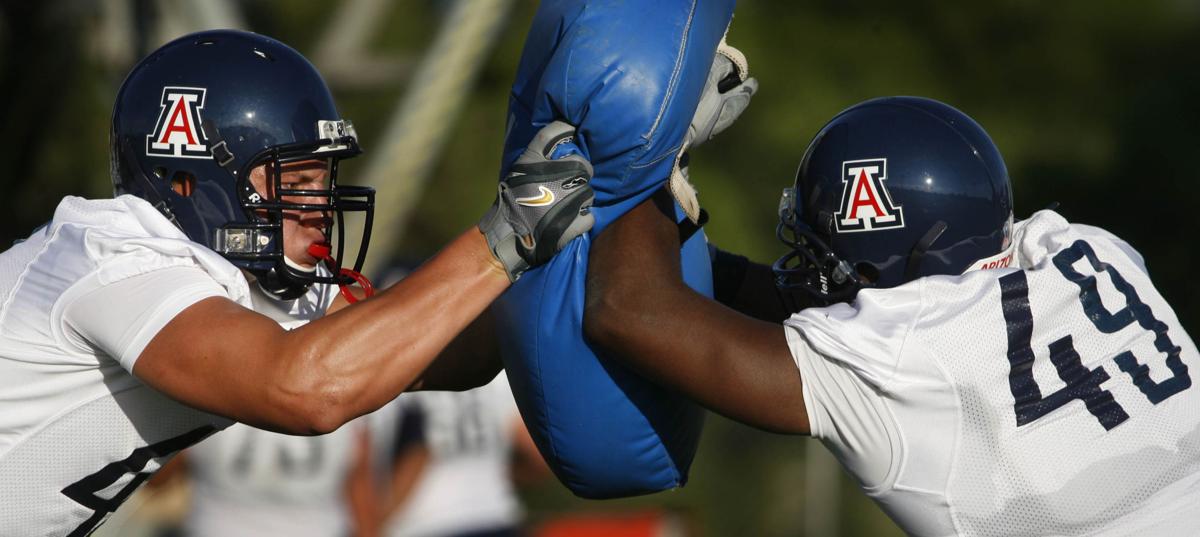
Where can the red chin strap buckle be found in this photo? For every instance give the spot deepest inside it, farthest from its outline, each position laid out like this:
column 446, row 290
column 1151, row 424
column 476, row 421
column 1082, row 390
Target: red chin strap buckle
column 321, row 250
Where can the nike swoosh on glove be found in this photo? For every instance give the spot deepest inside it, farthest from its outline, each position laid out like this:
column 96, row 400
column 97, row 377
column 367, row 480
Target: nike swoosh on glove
column 542, row 204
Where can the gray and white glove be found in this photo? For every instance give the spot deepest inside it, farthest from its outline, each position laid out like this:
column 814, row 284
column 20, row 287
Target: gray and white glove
column 726, row 94
column 541, row 205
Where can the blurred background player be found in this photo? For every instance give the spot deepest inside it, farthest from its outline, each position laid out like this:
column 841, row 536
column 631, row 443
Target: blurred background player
column 246, row 481
column 457, row 459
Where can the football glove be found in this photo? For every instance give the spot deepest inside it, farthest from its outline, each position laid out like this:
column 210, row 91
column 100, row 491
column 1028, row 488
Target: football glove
column 543, row 203
column 726, row 94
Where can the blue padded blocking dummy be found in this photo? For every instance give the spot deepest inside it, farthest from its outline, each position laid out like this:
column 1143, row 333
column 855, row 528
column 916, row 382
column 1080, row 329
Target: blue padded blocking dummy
column 628, row 75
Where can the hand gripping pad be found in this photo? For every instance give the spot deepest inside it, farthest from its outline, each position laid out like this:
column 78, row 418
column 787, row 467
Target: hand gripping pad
column 629, row 75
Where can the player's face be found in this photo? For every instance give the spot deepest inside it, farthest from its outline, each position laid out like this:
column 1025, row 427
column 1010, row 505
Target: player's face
column 300, row 228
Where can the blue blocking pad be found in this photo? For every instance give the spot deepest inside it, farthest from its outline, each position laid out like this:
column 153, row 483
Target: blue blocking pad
column 628, row 75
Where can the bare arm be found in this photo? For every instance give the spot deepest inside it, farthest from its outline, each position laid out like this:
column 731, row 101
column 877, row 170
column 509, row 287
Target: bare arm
column 410, row 457
column 471, row 360
column 407, row 469
column 222, row 358
column 360, row 488
column 639, row 309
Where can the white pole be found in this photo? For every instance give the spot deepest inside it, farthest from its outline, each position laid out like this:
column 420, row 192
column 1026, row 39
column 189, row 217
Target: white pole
column 400, row 163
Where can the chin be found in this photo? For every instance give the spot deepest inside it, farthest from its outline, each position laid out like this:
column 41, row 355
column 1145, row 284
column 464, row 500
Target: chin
column 307, row 264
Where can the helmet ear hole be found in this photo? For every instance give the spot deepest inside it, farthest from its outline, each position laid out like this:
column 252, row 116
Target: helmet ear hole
column 183, row 183
column 867, row 271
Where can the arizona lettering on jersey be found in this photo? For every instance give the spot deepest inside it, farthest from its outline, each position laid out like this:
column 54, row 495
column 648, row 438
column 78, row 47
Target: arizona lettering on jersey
column 178, row 131
column 866, row 203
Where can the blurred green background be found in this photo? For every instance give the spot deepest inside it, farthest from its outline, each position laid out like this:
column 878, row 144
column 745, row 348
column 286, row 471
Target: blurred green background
column 1093, row 105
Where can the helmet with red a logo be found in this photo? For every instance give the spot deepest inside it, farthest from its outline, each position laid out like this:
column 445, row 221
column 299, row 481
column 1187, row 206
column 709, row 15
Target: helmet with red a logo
column 890, row 190
column 194, row 117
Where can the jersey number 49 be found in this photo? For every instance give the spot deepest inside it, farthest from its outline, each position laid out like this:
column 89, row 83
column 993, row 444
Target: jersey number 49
column 1082, row 383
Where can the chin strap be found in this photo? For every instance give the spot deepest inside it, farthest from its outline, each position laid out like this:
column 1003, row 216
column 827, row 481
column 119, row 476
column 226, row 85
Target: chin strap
column 322, row 251
column 912, row 269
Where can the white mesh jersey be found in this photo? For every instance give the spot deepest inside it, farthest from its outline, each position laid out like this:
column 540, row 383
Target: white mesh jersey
column 466, row 485
column 79, row 300
column 252, row 482
column 1054, row 399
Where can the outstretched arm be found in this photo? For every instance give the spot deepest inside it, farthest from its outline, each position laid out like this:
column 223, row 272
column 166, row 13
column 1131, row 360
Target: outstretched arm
column 225, row 359
column 639, row 309
column 222, row 358
column 360, row 489
column 471, row 360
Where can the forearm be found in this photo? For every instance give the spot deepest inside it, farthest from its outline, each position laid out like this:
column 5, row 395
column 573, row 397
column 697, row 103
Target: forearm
column 471, row 360
column 372, row 351
column 652, row 334
column 407, row 469
column 640, row 311
column 658, row 335
column 313, row 379
column 632, row 293
column 360, row 490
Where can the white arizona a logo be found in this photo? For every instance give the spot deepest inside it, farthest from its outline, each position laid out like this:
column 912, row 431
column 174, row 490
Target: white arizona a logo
column 866, row 204
column 178, row 132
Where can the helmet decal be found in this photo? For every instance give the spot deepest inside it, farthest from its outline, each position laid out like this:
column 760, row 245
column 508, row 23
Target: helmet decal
column 269, row 108
column 866, row 203
column 178, row 132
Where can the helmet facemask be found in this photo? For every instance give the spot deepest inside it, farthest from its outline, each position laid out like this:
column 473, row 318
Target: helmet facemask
column 196, row 117
column 259, row 241
column 814, row 271
column 810, row 269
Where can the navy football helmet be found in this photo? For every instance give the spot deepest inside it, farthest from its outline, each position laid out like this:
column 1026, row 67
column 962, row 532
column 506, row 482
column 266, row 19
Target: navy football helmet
column 193, row 119
column 890, row 190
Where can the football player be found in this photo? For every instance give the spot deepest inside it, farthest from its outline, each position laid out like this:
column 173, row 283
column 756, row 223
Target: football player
column 453, row 464
column 131, row 328
column 247, row 481
column 976, row 376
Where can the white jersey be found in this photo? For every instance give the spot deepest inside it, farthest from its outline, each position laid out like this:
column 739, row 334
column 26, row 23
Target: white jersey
column 466, row 485
column 250, row 482
column 1054, row 399
column 79, row 300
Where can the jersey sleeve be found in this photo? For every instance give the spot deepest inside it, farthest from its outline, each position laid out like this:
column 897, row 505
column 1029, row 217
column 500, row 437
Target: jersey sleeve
column 120, row 318
column 846, row 355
